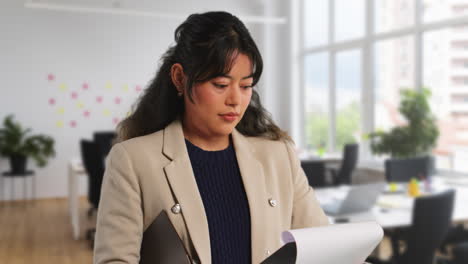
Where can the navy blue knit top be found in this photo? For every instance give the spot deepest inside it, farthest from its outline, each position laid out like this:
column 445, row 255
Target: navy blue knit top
column 226, row 206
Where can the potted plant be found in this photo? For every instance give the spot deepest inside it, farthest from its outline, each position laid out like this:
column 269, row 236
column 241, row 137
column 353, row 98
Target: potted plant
column 414, row 139
column 18, row 145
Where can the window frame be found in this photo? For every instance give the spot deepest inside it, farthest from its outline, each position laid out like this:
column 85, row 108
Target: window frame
column 366, row 44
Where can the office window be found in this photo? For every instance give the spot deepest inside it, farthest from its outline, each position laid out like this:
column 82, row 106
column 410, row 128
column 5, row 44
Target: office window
column 316, row 17
column 446, row 76
column 372, row 55
column 316, row 101
column 436, row 10
column 348, row 97
column 394, row 71
column 350, row 19
column 393, row 14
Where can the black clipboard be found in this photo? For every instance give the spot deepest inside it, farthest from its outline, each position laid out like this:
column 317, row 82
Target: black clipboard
column 161, row 244
column 285, row 255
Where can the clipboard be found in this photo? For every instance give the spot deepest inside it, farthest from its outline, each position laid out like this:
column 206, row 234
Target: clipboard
column 348, row 243
column 161, row 244
column 285, row 255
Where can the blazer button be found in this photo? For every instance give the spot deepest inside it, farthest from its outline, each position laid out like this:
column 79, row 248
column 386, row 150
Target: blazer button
column 272, row 202
column 176, row 209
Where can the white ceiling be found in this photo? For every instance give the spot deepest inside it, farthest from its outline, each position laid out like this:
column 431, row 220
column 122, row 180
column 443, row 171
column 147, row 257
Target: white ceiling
column 248, row 7
column 248, row 10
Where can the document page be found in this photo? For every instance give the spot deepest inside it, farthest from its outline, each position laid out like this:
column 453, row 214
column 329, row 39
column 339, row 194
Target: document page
column 349, row 243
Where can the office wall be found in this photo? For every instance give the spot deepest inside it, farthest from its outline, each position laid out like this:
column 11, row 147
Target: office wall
column 69, row 74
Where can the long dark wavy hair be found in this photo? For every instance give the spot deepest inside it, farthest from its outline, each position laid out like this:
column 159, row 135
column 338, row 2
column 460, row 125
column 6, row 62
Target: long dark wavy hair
column 206, row 46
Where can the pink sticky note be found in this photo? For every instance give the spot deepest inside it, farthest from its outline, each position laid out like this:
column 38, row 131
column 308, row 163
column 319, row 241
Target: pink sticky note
column 99, row 99
column 85, row 86
column 138, row 88
column 50, row 77
column 51, row 101
column 86, row 113
column 73, row 123
column 117, row 100
column 74, row 95
column 115, row 120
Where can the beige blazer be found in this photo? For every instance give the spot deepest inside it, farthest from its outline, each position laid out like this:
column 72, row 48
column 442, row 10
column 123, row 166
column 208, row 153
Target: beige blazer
column 147, row 174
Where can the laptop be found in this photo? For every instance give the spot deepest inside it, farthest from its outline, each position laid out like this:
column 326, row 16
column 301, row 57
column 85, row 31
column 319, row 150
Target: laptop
column 359, row 198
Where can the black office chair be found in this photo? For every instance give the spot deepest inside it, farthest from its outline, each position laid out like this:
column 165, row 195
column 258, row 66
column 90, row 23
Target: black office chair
column 456, row 235
column 345, row 172
column 94, row 167
column 315, row 172
column 402, row 170
column 460, row 253
column 432, row 216
column 104, row 139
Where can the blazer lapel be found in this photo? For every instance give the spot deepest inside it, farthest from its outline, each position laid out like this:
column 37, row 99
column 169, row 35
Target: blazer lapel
column 180, row 176
column 254, row 185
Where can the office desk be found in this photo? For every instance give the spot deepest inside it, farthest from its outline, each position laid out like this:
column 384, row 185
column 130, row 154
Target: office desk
column 75, row 170
column 395, row 210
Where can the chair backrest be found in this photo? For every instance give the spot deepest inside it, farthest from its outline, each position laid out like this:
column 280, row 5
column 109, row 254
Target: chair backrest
column 104, row 139
column 315, row 172
column 402, row 170
column 432, row 217
column 460, row 253
column 94, row 168
column 350, row 159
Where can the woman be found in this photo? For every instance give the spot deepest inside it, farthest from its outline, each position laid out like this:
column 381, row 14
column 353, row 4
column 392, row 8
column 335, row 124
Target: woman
column 201, row 147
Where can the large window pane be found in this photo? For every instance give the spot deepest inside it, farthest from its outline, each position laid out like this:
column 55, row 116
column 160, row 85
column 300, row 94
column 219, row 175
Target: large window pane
column 434, row 10
column 350, row 19
column 316, row 101
column 393, row 14
column 315, row 15
column 446, row 75
column 348, row 96
column 394, row 62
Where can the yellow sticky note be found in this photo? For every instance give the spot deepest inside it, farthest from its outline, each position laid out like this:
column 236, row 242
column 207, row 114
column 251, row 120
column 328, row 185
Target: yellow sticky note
column 106, row 112
column 59, row 124
column 109, row 85
column 60, row 110
column 129, row 113
column 63, row 87
column 125, row 88
column 80, row 105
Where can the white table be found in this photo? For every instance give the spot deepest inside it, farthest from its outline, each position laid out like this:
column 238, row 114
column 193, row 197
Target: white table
column 75, row 170
column 395, row 210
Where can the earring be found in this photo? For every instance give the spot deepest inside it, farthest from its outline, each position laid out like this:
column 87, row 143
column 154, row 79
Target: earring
column 179, row 93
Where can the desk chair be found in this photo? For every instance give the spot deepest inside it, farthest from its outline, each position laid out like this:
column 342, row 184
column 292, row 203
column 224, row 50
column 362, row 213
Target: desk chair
column 460, row 253
column 456, row 235
column 432, row 216
column 315, row 172
column 402, row 170
column 104, row 139
column 94, row 167
column 350, row 159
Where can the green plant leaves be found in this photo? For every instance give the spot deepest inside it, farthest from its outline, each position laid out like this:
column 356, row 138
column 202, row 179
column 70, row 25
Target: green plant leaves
column 416, row 138
column 14, row 140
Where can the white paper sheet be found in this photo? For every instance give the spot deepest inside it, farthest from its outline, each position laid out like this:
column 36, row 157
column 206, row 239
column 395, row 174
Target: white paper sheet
column 335, row 244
